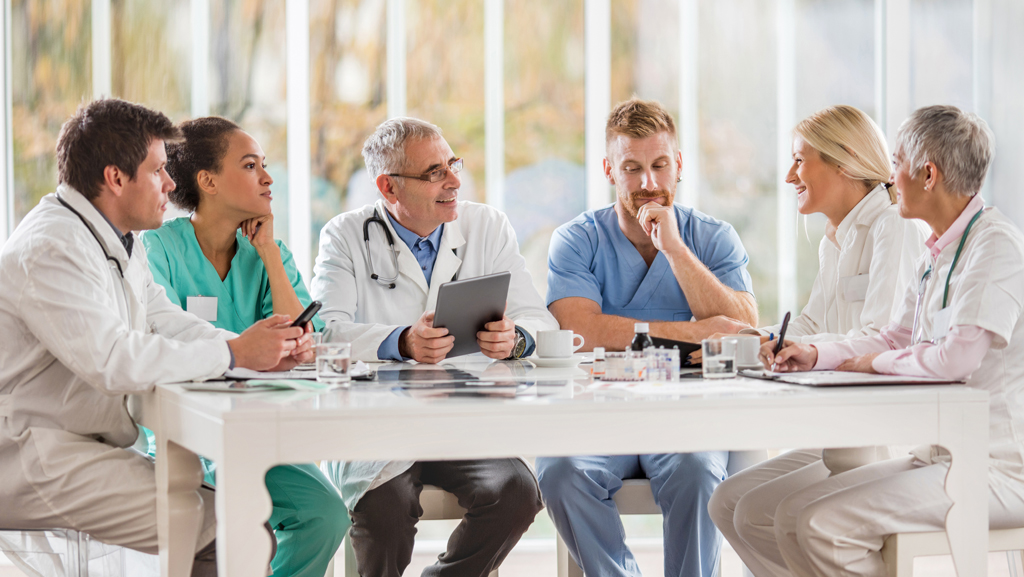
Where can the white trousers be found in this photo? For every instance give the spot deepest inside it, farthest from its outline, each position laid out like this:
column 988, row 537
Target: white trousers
column 836, row 526
column 743, row 506
column 57, row 479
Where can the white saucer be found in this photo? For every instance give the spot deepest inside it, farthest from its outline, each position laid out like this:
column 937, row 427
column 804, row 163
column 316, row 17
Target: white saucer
column 557, row 362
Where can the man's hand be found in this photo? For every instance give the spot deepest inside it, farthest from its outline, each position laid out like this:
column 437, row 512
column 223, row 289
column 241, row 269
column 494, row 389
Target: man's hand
column 659, row 222
column 266, row 343
column 793, row 357
column 497, row 339
column 423, row 343
column 861, row 364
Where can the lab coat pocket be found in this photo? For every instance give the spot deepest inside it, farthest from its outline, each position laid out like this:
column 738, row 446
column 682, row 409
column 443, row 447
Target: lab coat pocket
column 855, row 288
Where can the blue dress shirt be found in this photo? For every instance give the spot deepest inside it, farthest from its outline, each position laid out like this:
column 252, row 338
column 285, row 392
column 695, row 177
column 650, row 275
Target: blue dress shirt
column 424, row 248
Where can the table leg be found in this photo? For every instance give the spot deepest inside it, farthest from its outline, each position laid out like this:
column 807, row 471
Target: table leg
column 965, row 436
column 179, row 508
column 243, row 506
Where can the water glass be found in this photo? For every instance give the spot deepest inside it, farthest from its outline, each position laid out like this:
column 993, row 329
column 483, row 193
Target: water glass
column 332, row 362
column 718, row 362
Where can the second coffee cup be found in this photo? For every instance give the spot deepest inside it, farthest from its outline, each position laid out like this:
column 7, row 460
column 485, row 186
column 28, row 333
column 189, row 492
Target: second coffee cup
column 557, row 344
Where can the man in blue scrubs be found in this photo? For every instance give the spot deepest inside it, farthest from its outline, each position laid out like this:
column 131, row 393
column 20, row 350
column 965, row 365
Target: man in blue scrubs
column 643, row 258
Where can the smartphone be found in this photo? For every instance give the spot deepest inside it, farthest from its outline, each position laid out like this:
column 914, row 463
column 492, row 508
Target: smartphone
column 307, row 315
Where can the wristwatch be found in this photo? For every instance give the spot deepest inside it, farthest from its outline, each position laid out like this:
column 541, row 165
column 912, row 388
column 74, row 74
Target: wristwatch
column 518, row 348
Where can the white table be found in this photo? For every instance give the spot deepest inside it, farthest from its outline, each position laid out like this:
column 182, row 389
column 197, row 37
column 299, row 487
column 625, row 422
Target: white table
column 248, row 434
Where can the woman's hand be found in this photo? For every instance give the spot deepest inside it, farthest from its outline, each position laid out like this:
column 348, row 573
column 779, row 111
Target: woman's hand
column 861, row 364
column 793, row 357
column 260, row 232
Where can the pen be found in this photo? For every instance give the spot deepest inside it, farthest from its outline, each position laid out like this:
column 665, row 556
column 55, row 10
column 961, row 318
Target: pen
column 782, row 338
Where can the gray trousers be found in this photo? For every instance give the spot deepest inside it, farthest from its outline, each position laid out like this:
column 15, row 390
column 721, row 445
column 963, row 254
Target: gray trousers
column 501, row 498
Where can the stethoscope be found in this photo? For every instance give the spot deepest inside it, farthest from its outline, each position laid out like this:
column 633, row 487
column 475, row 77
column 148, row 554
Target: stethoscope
column 915, row 338
column 376, row 219
column 117, row 263
column 384, row 281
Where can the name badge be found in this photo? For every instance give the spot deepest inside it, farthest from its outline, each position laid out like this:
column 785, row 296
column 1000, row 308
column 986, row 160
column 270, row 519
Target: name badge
column 940, row 324
column 203, row 307
column 855, row 288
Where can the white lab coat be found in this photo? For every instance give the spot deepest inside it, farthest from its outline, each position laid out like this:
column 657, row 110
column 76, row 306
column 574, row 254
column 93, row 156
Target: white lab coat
column 365, row 313
column 862, row 273
column 77, row 340
column 844, row 519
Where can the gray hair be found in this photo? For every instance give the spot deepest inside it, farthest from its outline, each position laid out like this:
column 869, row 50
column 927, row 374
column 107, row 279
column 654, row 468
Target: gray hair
column 384, row 150
column 959, row 143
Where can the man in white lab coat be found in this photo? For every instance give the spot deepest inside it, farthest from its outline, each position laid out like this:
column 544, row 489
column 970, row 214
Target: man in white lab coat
column 388, row 313
column 84, row 326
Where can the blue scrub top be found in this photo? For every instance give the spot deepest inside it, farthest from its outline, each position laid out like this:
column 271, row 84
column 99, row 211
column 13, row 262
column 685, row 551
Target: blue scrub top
column 591, row 258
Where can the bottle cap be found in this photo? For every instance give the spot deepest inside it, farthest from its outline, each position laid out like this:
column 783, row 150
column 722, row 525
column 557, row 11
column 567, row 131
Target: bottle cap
column 598, row 352
column 641, row 328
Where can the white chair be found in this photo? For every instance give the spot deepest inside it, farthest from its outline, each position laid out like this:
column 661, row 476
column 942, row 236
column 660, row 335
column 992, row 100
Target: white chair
column 67, row 553
column 635, row 498
column 437, row 504
column 899, row 550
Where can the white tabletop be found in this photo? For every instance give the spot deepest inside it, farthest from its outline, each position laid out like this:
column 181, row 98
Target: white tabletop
column 554, row 412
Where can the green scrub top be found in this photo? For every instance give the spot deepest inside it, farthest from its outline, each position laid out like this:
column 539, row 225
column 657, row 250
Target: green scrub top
column 243, row 297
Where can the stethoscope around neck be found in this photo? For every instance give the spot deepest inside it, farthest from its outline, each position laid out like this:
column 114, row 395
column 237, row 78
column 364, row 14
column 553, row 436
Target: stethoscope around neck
column 117, row 263
column 376, row 219
column 915, row 338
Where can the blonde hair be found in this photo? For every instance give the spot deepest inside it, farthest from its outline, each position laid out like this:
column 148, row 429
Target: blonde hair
column 847, row 137
column 635, row 118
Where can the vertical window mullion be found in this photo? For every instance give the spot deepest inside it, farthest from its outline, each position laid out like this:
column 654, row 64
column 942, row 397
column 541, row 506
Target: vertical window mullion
column 785, row 120
column 298, row 140
column 6, row 133
column 494, row 101
column 199, row 12
column 689, row 116
column 597, row 95
column 101, row 39
column 396, row 58
column 897, row 65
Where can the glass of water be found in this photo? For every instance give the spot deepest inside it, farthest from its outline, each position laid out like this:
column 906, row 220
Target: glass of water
column 716, row 362
column 332, row 362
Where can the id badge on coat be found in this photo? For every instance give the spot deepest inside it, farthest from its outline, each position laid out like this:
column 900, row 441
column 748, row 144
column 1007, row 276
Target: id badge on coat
column 940, row 324
column 203, row 307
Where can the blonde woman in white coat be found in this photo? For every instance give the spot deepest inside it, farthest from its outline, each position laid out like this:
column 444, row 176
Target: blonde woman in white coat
column 840, row 168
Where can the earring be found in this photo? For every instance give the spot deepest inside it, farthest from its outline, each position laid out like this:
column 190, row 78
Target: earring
column 679, row 178
column 926, row 187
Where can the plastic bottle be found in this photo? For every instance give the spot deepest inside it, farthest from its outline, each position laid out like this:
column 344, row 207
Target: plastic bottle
column 597, row 369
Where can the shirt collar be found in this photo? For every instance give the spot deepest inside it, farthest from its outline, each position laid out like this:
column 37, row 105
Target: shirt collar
column 410, row 238
column 935, row 245
column 127, row 240
column 864, row 212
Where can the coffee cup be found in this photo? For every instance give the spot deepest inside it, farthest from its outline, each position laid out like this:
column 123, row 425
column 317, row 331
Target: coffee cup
column 744, row 349
column 557, row 344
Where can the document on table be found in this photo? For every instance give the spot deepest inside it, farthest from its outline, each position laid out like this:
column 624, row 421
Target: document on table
column 358, row 368
column 841, row 378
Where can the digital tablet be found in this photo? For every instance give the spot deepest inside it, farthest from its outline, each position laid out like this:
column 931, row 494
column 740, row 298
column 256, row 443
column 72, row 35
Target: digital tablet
column 465, row 306
column 684, row 347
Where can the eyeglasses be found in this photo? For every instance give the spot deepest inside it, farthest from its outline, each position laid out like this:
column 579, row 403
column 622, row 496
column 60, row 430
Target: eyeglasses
column 436, row 175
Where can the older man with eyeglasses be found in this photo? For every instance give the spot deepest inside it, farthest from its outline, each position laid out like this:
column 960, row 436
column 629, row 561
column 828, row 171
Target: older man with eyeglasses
column 377, row 274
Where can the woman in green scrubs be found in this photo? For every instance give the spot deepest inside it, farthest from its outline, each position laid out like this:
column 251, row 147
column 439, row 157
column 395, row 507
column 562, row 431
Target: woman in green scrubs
column 223, row 264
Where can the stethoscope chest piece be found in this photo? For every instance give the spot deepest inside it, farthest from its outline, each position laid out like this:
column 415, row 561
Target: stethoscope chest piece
column 388, row 282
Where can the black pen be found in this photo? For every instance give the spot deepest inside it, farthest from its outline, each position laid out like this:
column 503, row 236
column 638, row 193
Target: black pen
column 782, row 337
